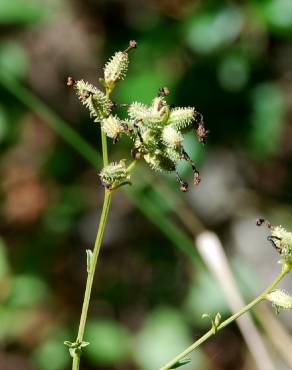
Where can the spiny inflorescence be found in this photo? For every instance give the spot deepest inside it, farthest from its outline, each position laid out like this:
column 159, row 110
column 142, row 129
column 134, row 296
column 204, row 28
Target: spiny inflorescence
column 156, row 129
column 280, row 238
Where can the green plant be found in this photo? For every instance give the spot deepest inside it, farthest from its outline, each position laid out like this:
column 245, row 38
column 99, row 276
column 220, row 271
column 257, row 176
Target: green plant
column 282, row 242
column 157, row 133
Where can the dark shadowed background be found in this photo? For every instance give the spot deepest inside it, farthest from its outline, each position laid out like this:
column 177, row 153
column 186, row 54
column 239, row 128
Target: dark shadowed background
column 232, row 61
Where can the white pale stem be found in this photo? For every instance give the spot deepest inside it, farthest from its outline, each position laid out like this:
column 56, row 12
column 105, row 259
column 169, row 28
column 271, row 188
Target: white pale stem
column 211, row 250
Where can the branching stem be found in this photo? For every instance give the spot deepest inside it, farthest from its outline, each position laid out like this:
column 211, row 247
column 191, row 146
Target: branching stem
column 261, row 297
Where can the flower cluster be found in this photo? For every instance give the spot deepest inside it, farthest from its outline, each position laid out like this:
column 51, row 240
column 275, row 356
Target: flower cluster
column 280, row 238
column 156, row 130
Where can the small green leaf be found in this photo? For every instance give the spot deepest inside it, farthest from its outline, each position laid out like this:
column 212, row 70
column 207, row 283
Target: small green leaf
column 68, row 343
column 214, row 322
column 180, row 363
column 217, row 319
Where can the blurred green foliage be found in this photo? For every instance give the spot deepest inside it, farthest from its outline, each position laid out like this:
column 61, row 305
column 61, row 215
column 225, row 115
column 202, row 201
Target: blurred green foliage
column 232, row 61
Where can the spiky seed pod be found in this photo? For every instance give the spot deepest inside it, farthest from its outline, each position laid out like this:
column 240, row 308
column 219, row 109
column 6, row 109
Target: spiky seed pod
column 173, row 154
column 153, row 117
column 159, row 108
column 95, row 101
column 172, row 137
column 116, row 68
column 112, row 126
column 181, row 118
column 137, row 111
column 280, row 299
column 150, row 141
column 282, row 240
column 159, row 162
column 114, row 174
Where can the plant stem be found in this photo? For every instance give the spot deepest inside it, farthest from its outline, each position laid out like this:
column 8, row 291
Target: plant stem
column 91, row 269
column 91, row 272
column 228, row 321
column 131, row 166
column 104, row 148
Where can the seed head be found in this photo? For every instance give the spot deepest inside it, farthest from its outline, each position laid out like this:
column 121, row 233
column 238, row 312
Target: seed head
column 112, row 126
column 172, row 137
column 114, row 174
column 116, row 68
column 95, row 101
column 181, row 118
column 280, row 299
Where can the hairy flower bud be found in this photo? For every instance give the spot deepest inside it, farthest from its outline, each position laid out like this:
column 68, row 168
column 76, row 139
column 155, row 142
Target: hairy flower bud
column 116, row 68
column 159, row 162
column 137, row 111
column 173, row 154
column 112, row 126
column 181, row 118
column 98, row 104
column 280, row 299
column 172, row 137
column 282, row 240
column 114, row 174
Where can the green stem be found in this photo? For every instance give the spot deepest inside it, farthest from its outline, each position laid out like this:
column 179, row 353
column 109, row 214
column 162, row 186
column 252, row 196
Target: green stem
column 131, row 166
column 91, row 269
column 104, row 148
column 228, row 321
column 91, row 272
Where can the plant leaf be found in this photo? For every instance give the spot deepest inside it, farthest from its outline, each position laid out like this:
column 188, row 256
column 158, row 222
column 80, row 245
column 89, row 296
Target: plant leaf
column 180, row 363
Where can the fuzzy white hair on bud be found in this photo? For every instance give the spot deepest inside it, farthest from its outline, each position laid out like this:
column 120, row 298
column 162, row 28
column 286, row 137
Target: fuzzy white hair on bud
column 137, row 111
column 172, row 137
column 181, row 118
column 159, row 162
column 112, row 126
column 282, row 240
column 280, row 299
column 116, row 68
column 114, row 174
column 94, row 100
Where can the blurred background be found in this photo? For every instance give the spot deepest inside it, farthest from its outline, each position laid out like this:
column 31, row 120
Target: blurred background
column 232, row 61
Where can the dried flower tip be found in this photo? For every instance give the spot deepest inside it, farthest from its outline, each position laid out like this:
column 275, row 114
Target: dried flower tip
column 202, row 133
column 163, row 91
column 70, row 81
column 159, row 112
column 172, row 137
column 112, row 126
column 116, row 69
column 261, row 221
column 280, row 299
column 114, row 174
column 197, row 178
column 132, row 45
column 98, row 104
column 136, row 154
column 181, row 117
column 184, row 186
